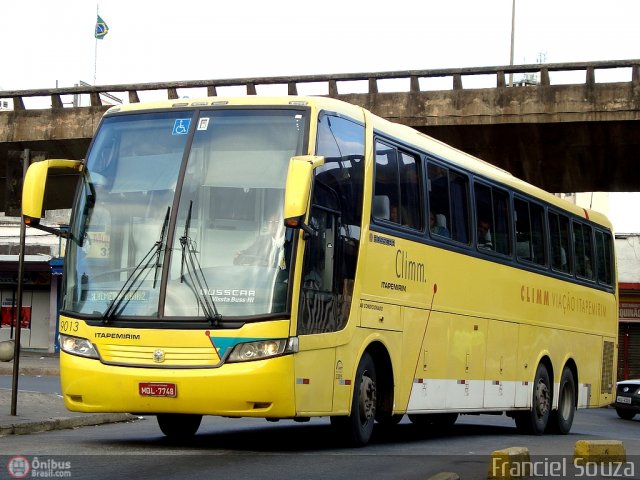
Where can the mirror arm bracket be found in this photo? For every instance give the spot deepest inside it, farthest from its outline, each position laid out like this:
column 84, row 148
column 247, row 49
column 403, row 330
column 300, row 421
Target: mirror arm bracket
column 55, row 231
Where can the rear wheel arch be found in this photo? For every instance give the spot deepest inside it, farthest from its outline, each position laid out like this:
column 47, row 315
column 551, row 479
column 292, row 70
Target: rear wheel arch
column 546, row 361
column 570, row 364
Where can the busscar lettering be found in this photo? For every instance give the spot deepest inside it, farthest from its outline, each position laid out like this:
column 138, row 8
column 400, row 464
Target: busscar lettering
column 390, row 242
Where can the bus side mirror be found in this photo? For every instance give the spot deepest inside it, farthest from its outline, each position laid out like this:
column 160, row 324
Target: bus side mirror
column 298, row 190
column 35, row 182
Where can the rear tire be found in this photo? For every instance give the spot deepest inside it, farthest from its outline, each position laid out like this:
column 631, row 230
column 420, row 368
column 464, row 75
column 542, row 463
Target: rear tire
column 535, row 420
column 178, row 425
column 561, row 419
column 625, row 414
column 357, row 428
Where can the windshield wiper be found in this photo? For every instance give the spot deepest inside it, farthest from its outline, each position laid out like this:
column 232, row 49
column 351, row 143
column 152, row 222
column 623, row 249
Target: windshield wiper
column 155, row 252
column 197, row 280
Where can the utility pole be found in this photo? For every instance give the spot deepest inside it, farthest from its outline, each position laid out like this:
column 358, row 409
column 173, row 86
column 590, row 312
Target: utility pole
column 16, row 355
column 513, row 34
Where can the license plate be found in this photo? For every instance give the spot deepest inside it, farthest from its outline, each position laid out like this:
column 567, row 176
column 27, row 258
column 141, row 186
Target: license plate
column 157, row 389
column 623, row 399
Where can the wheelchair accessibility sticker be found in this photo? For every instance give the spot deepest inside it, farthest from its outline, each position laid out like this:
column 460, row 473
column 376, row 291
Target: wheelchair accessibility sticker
column 181, row 126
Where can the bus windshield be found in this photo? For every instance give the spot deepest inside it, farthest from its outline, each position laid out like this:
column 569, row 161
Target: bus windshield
column 180, row 215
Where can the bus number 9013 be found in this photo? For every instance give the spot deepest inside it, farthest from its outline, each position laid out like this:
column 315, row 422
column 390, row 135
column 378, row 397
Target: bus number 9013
column 69, row 325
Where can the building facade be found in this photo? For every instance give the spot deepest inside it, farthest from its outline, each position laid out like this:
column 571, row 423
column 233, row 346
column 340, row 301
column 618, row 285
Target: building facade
column 41, row 283
column 628, row 256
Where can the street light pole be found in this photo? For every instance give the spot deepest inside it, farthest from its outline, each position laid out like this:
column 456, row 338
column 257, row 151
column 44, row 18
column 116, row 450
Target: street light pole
column 16, row 354
column 513, row 34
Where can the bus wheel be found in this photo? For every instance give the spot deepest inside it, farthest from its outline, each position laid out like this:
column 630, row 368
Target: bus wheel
column 535, row 420
column 561, row 420
column 178, row 425
column 625, row 414
column 358, row 426
column 438, row 420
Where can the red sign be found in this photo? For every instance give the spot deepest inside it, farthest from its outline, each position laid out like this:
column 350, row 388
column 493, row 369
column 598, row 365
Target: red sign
column 9, row 314
column 630, row 311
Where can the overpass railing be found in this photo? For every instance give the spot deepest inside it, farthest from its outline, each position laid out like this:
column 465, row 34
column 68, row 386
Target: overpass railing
column 332, row 85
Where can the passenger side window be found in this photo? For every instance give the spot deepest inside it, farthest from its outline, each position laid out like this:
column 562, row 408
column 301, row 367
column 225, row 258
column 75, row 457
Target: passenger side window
column 397, row 197
column 410, row 198
column 603, row 254
column 530, row 231
column 448, row 203
column 583, row 250
column 386, row 201
column 560, row 251
column 492, row 219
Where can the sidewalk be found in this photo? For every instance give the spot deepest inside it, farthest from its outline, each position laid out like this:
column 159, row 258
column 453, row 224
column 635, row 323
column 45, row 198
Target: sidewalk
column 40, row 412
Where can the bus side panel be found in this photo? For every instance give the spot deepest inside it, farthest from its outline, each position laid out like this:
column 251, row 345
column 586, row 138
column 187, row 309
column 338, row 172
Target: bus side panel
column 500, row 377
column 429, row 385
column 466, row 372
column 586, row 350
column 314, row 379
column 413, row 362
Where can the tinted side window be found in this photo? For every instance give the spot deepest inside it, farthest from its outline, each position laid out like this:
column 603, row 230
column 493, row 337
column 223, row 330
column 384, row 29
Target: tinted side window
column 386, row 198
column 410, row 188
column 538, row 233
column 603, row 254
column 582, row 238
column 492, row 219
column 448, row 203
column 397, row 187
column 560, row 251
column 530, row 231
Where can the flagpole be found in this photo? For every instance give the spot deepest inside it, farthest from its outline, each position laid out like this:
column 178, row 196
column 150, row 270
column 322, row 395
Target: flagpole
column 95, row 53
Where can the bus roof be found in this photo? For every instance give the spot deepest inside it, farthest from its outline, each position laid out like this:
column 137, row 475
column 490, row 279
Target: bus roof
column 398, row 131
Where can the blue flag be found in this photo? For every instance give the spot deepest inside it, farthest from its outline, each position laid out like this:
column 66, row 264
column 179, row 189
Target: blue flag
column 101, row 28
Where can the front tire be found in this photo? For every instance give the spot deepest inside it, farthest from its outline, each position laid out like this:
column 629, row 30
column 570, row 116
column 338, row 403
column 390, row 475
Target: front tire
column 625, row 414
column 535, row 420
column 561, row 419
column 358, row 426
column 179, row 426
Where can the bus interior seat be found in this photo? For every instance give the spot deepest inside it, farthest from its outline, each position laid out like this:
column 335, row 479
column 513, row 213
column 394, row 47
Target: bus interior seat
column 381, row 207
column 441, row 220
column 523, row 250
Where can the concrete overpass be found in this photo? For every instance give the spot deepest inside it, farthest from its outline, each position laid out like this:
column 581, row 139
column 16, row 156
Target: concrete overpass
column 559, row 126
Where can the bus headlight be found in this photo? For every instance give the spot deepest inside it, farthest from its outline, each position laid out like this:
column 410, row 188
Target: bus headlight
column 245, row 352
column 77, row 346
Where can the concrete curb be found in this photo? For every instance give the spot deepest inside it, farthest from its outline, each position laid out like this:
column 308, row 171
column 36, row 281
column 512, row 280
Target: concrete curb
column 599, row 451
column 31, row 371
column 24, row 428
column 445, row 476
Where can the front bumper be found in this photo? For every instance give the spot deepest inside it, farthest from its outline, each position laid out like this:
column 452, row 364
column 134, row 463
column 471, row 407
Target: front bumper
column 263, row 388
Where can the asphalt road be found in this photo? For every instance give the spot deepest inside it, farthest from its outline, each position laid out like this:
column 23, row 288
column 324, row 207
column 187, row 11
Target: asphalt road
column 44, row 384
column 254, row 448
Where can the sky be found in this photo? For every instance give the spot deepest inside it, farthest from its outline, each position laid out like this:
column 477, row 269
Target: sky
column 45, row 43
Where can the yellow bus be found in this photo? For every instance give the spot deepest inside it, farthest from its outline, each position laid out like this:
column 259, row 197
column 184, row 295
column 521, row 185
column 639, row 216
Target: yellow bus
column 297, row 257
